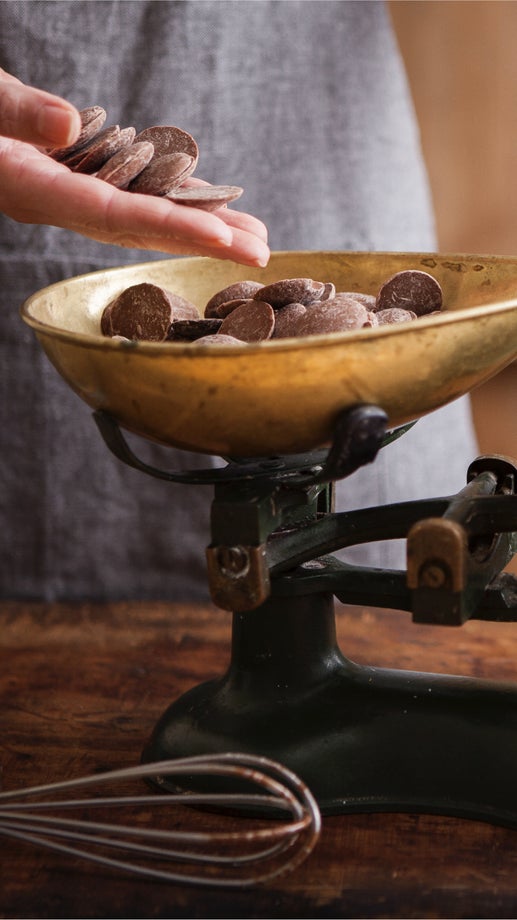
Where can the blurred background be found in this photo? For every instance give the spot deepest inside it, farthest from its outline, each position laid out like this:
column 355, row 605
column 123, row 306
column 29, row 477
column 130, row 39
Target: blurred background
column 462, row 67
column 461, row 61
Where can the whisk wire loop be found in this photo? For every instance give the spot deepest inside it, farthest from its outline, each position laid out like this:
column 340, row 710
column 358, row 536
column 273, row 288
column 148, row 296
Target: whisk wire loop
column 255, row 854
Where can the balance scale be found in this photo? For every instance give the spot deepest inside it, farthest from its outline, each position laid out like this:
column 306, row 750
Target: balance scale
column 291, row 417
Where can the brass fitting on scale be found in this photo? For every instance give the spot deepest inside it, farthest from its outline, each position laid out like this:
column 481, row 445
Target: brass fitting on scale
column 449, row 558
column 238, row 576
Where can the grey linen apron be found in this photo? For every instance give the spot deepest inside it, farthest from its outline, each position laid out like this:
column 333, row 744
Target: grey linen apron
column 304, row 104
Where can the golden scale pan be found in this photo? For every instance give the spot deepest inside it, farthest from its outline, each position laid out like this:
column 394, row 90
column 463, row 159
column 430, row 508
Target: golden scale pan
column 280, row 396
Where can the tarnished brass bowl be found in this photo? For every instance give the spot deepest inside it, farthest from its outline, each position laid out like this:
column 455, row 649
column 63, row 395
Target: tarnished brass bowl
column 280, row 396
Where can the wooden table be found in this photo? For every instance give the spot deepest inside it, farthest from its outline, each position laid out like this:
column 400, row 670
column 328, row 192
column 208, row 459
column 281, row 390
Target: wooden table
column 81, row 686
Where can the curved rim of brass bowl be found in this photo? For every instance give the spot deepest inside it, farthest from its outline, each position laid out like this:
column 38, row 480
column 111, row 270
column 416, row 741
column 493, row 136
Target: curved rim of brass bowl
column 283, row 395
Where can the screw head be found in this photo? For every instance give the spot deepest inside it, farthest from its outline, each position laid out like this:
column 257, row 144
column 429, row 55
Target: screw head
column 233, row 561
column 433, row 575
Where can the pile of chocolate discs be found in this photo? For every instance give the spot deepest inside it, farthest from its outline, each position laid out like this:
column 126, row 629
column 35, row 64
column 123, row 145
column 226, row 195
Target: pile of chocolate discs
column 157, row 161
column 248, row 311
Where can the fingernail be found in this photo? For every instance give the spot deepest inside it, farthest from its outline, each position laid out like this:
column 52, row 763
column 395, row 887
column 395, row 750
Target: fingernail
column 58, row 125
column 225, row 240
column 262, row 261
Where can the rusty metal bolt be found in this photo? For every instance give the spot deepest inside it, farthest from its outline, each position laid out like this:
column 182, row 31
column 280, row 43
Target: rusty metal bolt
column 434, row 575
column 233, row 561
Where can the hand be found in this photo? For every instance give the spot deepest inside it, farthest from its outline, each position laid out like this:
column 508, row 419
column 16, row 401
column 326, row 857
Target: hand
column 37, row 190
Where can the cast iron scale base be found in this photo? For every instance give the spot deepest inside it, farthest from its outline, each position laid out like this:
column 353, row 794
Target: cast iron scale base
column 362, row 738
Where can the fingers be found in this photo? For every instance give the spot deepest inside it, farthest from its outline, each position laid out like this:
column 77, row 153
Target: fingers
column 155, row 223
column 238, row 220
column 36, row 189
column 34, row 116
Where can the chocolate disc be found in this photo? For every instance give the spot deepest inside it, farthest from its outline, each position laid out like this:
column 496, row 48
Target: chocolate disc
column 206, row 197
column 253, row 321
column 188, row 330
column 113, row 141
column 292, row 290
column 92, row 120
column 287, row 320
column 239, row 290
column 218, row 339
column 224, row 309
column 163, row 174
column 168, row 139
column 127, row 135
column 412, row 290
column 126, row 164
column 368, row 300
column 394, row 315
column 182, row 308
column 144, row 312
column 100, row 149
column 330, row 316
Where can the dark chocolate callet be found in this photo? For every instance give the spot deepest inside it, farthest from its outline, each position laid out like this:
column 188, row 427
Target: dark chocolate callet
column 167, row 139
column 163, row 174
column 287, row 320
column 411, row 290
column 368, row 300
column 394, row 315
column 253, row 321
column 292, row 290
column 219, row 339
column 126, row 164
column 224, row 309
column 205, row 197
column 239, row 290
column 98, row 151
column 145, row 312
column 188, row 330
column 332, row 316
column 92, row 120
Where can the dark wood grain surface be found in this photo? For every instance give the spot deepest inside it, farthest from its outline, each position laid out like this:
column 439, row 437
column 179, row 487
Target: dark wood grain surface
column 81, row 687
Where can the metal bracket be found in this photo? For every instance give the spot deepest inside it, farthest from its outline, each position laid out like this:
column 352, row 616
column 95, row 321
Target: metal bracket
column 451, row 559
column 272, row 515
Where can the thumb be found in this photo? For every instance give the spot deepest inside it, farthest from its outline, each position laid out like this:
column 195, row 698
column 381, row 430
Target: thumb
column 34, row 116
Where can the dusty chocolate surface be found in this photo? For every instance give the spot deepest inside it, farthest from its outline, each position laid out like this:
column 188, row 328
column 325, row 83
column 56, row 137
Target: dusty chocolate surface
column 167, row 139
column 145, row 312
column 219, row 339
column 163, row 174
column 252, row 321
column 188, row 330
column 126, row 164
column 239, row 290
column 174, row 156
column 287, row 320
column 394, row 315
column 411, row 290
column 206, row 197
column 333, row 317
column 248, row 311
column 293, row 290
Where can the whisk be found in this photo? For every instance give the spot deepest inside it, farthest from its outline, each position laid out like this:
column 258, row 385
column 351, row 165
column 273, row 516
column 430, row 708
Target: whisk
column 289, row 824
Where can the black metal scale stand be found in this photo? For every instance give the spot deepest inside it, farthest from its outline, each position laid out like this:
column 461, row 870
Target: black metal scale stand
column 362, row 738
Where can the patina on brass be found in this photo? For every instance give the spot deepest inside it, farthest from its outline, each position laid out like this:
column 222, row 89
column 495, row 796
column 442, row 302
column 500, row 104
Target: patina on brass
column 280, row 396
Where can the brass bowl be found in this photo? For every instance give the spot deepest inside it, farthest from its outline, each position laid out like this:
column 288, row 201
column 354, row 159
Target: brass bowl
column 280, row 396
